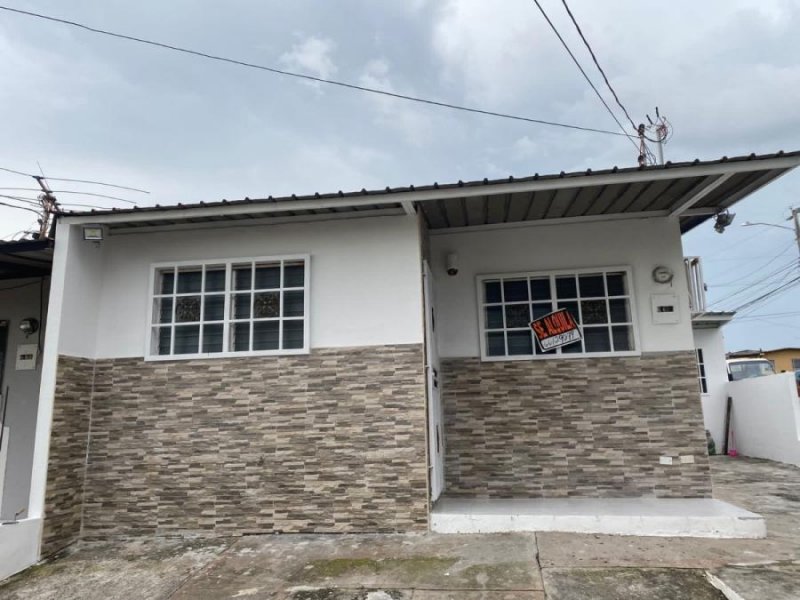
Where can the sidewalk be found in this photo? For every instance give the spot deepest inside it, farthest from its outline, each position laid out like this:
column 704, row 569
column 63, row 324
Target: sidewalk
column 555, row 566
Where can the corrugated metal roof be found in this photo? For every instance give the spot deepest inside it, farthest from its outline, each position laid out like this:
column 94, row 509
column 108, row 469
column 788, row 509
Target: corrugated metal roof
column 587, row 193
column 26, row 258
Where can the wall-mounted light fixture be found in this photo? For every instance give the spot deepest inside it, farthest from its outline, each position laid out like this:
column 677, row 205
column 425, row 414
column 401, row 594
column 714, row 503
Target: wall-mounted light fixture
column 452, row 264
column 29, row 326
column 93, row 233
column 722, row 220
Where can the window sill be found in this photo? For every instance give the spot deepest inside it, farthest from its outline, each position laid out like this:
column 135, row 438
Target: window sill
column 254, row 353
column 560, row 356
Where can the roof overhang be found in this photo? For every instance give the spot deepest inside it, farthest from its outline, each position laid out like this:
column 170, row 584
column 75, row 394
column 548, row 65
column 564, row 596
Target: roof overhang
column 29, row 258
column 691, row 192
column 711, row 320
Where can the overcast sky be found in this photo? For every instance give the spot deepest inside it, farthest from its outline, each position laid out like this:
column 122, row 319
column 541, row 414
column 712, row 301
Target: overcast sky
column 725, row 72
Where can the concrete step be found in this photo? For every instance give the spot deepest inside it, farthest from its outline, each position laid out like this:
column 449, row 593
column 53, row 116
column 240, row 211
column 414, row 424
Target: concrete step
column 672, row 517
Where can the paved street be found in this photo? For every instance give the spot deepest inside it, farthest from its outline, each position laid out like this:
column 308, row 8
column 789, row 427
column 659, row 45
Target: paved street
column 555, row 566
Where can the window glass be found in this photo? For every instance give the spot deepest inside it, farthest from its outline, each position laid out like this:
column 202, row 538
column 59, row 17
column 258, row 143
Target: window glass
column 540, row 288
column 494, row 317
column 596, row 339
column 517, row 315
column 265, row 335
column 515, row 290
column 592, row 286
column 212, row 337
column 492, row 292
column 701, row 372
column 166, row 281
column 293, row 305
column 267, row 305
column 187, row 338
column 496, row 344
column 520, row 342
column 294, row 274
column 268, row 276
column 617, row 285
column 566, row 288
column 599, row 302
column 189, row 282
column 231, row 307
column 293, row 334
column 242, row 277
column 215, row 279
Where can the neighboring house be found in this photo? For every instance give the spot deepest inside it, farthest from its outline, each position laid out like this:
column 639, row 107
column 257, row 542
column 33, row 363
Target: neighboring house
column 24, row 288
column 353, row 362
column 709, row 342
column 782, row 359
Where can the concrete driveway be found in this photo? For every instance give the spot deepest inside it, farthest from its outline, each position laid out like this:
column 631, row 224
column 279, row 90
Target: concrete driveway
column 429, row 567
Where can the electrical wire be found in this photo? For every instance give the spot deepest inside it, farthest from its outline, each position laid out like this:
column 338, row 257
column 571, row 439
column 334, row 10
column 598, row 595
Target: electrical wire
column 306, row 77
column 597, row 64
column 72, row 192
column 773, row 278
column 38, row 177
column 779, row 290
column 585, row 76
column 21, row 208
column 30, row 201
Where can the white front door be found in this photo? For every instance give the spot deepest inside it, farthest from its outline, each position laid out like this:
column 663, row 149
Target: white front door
column 435, row 410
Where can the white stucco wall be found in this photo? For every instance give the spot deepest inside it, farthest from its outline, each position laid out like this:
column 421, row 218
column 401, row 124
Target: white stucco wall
column 712, row 343
column 18, row 303
column 365, row 280
column 640, row 244
column 766, row 417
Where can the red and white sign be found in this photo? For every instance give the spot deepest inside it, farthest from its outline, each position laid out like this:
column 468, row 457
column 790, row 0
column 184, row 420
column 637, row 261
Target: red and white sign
column 556, row 329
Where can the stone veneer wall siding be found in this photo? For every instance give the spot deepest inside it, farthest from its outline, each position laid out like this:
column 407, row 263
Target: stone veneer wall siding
column 67, row 460
column 592, row 427
column 333, row 441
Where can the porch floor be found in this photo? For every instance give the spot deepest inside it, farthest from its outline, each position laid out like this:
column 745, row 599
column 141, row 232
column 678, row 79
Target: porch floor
column 689, row 517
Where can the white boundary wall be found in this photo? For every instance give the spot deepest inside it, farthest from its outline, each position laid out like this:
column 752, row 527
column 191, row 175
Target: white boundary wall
column 766, row 417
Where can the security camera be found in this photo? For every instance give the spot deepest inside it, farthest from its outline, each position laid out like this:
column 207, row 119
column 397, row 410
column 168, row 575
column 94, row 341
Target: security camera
column 452, row 264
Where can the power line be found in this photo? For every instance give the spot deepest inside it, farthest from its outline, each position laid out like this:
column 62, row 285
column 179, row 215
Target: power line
column 113, row 185
column 597, row 64
column 773, row 278
column 580, row 68
column 72, row 192
column 36, row 212
column 773, row 292
column 306, row 77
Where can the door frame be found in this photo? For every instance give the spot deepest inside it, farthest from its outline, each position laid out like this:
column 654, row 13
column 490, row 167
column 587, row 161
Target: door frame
column 436, row 437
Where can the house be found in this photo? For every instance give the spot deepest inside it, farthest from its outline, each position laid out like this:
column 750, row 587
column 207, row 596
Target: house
column 365, row 362
column 24, row 289
column 782, row 359
column 709, row 342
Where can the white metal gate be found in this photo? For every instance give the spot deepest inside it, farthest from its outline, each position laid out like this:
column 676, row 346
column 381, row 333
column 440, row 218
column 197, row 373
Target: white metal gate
column 436, row 442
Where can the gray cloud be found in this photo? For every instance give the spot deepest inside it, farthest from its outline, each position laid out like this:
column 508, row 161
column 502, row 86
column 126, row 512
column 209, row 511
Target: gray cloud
column 726, row 72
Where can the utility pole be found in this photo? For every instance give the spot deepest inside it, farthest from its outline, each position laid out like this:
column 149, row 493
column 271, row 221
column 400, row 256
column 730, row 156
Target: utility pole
column 662, row 129
column 49, row 205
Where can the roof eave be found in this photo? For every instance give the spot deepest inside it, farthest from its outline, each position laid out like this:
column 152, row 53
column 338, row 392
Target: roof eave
column 254, row 207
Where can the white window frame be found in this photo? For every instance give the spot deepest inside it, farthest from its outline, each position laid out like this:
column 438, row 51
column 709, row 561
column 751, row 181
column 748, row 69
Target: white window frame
column 228, row 263
column 702, row 371
column 552, row 274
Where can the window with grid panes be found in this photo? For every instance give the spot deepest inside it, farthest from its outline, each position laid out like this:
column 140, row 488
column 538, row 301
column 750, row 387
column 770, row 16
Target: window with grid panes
column 230, row 307
column 701, row 372
column 600, row 301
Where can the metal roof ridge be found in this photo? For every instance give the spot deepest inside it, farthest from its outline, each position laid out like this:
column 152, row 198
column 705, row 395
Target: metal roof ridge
column 435, row 186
